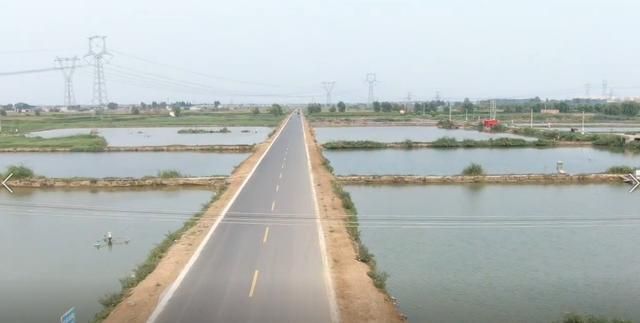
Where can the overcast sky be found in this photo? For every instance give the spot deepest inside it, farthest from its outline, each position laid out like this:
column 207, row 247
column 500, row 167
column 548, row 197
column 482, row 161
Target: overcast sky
column 248, row 50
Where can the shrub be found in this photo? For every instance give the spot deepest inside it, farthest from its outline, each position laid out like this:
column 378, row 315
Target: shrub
column 170, row 173
column 20, row 171
column 575, row 318
column 379, row 278
column 620, row 170
column 609, row 140
column 445, row 142
column 446, row 124
column 473, row 170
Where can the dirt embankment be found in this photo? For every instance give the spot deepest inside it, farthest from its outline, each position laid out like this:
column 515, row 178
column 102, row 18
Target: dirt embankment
column 363, row 122
column 213, row 182
column 358, row 299
column 171, row 148
column 142, row 300
column 489, row 179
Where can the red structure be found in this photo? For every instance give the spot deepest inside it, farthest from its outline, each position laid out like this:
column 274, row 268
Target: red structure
column 490, row 123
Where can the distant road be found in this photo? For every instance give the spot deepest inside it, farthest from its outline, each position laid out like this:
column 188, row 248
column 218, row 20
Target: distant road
column 250, row 272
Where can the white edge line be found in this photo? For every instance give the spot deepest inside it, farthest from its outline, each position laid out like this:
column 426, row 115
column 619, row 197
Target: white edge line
column 333, row 306
column 166, row 296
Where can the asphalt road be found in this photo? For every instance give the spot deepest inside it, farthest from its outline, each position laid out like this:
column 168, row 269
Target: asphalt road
column 255, row 269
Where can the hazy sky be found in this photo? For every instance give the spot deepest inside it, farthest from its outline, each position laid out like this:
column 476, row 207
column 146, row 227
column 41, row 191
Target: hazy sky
column 472, row 48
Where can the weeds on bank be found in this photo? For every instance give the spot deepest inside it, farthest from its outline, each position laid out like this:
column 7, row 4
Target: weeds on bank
column 110, row 301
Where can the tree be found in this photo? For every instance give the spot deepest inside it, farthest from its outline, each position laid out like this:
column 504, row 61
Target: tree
column 112, row 105
column 3, row 113
column 177, row 111
column 386, row 107
column 342, row 107
column 216, row 104
column 276, row 110
column 332, row 109
column 467, row 106
column 255, row 110
column 314, row 108
column 630, row 108
column 135, row 111
column 376, row 106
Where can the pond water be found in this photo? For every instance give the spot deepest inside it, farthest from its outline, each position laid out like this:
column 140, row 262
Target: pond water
column 133, row 137
column 397, row 134
column 123, row 164
column 493, row 161
column 49, row 262
column 465, row 253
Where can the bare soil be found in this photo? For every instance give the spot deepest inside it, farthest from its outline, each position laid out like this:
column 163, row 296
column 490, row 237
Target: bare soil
column 358, row 299
column 142, row 300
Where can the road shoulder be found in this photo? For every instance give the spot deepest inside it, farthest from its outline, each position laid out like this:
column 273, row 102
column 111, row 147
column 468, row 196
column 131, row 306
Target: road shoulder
column 357, row 298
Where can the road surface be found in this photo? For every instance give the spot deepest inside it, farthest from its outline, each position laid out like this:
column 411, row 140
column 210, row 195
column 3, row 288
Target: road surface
column 253, row 269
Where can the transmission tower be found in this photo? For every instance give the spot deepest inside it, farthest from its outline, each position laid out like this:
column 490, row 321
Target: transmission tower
column 98, row 53
column 587, row 90
column 371, row 79
column 605, row 86
column 68, row 66
column 328, row 88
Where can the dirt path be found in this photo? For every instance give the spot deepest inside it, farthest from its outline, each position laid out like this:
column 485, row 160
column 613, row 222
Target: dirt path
column 142, row 300
column 358, row 299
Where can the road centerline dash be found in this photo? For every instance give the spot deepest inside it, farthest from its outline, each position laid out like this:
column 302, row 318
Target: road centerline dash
column 273, row 206
column 253, row 283
column 266, row 235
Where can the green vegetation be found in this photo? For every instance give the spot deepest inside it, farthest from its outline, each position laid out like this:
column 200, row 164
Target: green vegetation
column 276, row 110
column 110, row 301
column 444, row 142
column 356, row 144
column 575, row 318
column 447, row 124
column 597, row 139
column 620, row 170
column 314, row 108
column 78, row 143
column 473, row 170
column 19, row 172
column 170, row 173
column 25, row 124
column 378, row 277
column 199, row 131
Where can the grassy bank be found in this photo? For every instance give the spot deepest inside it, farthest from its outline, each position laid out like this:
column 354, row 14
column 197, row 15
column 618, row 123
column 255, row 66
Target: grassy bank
column 378, row 277
column 444, row 142
column 597, row 139
column 110, row 301
column 25, row 124
column 77, row 143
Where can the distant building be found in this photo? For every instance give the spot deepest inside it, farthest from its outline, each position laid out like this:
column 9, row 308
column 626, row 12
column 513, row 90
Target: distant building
column 549, row 111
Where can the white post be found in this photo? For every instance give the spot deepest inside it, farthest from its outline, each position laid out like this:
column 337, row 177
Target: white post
column 449, row 111
column 583, row 122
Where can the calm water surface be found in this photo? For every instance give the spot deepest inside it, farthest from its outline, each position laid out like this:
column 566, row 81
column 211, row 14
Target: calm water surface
column 128, row 137
column 505, row 253
column 494, row 161
column 397, row 134
column 123, row 164
column 49, row 262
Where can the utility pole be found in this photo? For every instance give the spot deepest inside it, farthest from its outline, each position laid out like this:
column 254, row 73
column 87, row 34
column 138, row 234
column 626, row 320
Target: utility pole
column 492, row 110
column 409, row 99
column 449, row 104
column 68, row 66
column 98, row 52
column 372, row 80
column 605, row 85
column 531, row 119
column 328, row 88
column 583, row 121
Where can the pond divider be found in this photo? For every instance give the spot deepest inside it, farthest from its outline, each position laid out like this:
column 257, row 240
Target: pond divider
column 489, row 179
column 170, row 148
column 214, row 181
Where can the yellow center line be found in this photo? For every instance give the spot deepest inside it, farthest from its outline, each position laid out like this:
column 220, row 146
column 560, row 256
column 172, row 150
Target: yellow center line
column 253, row 284
column 266, row 235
